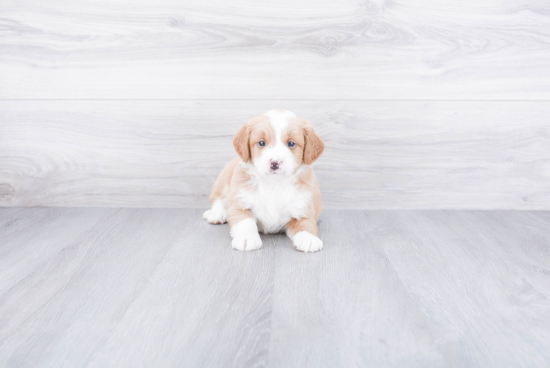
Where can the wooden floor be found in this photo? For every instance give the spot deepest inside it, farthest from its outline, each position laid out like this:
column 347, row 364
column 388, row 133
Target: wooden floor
column 161, row 288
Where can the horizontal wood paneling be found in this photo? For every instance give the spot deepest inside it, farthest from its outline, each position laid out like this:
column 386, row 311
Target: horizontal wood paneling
column 311, row 49
column 380, row 154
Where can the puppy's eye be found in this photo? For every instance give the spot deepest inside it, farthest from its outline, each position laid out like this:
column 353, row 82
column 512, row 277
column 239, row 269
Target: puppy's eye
column 261, row 143
column 291, row 144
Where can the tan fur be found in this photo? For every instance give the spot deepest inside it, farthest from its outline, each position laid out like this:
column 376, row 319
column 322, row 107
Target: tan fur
column 223, row 180
column 309, row 222
column 235, row 212
column 308, row 181
column 295, row 133
column 240, row 142
column 248, row 135
column 309, row 147
column 314, row 145
column 260, row 129
column 306, row 224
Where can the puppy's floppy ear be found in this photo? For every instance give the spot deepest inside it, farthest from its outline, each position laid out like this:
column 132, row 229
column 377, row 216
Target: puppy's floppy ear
column 240, row 142
column 314, row 145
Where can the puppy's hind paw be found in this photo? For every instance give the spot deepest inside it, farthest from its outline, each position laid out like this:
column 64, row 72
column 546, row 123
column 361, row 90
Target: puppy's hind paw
column 307, row 242
column 215, row 216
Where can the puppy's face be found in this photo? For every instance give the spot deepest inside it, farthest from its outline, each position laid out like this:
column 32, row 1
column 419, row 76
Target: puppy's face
column 278, row 142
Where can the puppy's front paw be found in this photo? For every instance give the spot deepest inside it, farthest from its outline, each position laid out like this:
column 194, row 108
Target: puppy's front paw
column 245, row 235
column 307, row 242
column 248, row 242
column 215, row 216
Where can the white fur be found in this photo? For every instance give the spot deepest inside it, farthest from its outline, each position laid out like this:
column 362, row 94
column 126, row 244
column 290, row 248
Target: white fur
column 274, row 201
column 278, row 150
column 271, row 195
column 216, row 215
column 245, row 235
column 307, row 242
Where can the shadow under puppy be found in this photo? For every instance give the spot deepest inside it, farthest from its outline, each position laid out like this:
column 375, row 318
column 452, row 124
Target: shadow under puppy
column 271, row 186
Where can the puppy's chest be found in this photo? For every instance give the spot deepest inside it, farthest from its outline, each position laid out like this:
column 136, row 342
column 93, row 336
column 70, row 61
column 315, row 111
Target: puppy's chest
column 274, row 205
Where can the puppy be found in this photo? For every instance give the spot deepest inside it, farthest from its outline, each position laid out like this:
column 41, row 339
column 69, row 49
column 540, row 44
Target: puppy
column 271, row 186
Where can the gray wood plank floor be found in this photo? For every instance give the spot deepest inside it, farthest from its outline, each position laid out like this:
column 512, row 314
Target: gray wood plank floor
column 161, row 288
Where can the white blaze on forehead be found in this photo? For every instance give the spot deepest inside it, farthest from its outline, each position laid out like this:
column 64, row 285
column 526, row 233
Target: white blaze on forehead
column 279, row 120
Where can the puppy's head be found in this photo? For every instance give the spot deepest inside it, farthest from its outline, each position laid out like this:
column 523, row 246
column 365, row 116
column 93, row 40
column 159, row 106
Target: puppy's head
column 278, row 142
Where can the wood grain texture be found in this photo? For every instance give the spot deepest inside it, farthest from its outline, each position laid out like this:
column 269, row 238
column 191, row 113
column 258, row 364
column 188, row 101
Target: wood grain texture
column 161, row 287
column 347, row 49
column 347, row 307
column 379, row 154
column 464, row 279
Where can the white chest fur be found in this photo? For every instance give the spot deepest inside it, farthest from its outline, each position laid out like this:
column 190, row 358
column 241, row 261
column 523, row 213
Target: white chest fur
column 274, row 202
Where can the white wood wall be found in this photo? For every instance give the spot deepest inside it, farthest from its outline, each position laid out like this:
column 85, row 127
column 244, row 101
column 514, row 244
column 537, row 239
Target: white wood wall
column 422, row 104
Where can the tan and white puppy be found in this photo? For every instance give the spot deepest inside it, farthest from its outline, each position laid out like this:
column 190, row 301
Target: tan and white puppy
column 271, row 186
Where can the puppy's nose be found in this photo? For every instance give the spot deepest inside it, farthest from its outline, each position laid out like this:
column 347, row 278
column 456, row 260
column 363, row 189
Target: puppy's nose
column 275, row 165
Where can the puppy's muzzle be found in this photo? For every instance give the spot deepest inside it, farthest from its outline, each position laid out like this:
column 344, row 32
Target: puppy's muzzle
column 275, row 165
